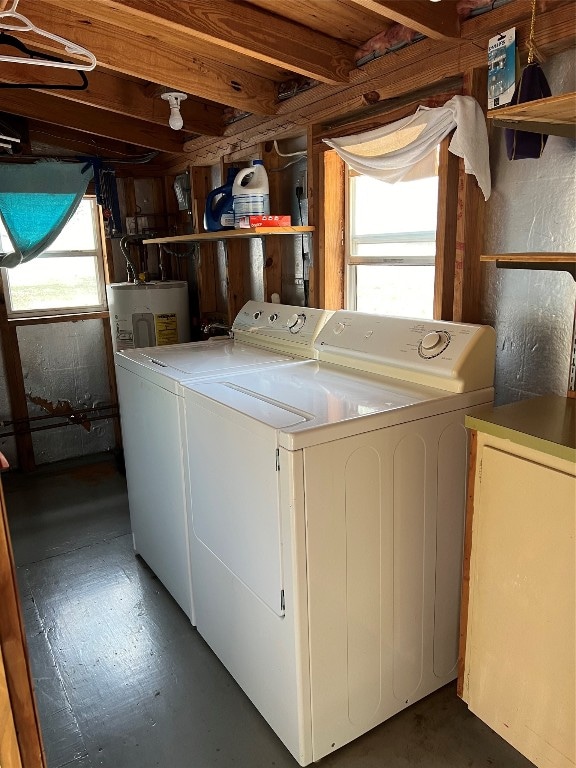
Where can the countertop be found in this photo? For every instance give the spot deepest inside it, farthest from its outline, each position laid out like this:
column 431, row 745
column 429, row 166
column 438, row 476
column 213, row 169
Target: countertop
column 547, row 424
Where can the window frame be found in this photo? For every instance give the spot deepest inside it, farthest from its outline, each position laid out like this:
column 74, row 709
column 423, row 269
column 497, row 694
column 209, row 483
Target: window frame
column 351, row 261
column 97, row 253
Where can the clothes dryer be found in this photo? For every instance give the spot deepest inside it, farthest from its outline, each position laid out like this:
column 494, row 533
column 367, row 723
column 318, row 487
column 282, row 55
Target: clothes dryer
column 326, row 568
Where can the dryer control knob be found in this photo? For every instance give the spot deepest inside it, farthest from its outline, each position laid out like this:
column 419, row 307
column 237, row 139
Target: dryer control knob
column 431, row 340
column 433, row 344
column 273, row 317
column 295, row 322
column 338, row 328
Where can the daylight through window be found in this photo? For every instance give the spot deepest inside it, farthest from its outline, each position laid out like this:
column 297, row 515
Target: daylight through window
column 67, row 278
column 391, row 245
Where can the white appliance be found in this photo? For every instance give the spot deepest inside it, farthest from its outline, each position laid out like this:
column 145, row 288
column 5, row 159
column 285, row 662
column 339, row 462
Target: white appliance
column 327, row 514
column 148, row 314
column 153, row 428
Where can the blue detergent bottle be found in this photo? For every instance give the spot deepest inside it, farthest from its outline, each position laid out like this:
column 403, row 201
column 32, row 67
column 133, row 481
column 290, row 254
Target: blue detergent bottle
column 219, row 213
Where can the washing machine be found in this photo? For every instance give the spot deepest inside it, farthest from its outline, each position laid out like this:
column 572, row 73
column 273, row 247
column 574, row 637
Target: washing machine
column 327, row 567
column 149, row 392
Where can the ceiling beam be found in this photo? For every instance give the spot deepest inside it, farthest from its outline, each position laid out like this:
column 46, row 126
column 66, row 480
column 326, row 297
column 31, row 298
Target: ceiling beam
column 119, row 95
column 46, row 135
column 394, row 76
column 438, row 21
column 145, row 57
column 33, row 104
column 233, row 30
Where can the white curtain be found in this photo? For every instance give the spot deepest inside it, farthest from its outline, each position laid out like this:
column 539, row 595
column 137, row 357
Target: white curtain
column 404, row 149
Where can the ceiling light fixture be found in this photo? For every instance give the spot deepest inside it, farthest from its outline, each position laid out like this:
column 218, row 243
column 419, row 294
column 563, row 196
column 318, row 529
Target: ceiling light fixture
column 174, row 98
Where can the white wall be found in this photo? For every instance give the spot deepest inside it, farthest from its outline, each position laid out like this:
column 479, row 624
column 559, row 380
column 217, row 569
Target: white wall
column 532, row 209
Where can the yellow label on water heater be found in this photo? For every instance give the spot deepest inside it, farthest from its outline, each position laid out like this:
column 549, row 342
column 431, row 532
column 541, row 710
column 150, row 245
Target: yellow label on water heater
column 166, row 326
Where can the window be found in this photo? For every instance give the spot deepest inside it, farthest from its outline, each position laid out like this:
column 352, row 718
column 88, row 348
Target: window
column 391, row 246
column 67, row 278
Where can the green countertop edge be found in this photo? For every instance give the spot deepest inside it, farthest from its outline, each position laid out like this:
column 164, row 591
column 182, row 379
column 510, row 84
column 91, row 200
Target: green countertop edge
column 521, row 438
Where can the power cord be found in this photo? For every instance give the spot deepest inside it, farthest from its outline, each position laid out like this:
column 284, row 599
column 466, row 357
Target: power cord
column 305, row 254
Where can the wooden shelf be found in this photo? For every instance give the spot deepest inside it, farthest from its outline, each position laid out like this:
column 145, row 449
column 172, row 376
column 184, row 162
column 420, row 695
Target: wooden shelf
column 559, row 261
column 541, row 258
column 555, row 115
column 227, row 234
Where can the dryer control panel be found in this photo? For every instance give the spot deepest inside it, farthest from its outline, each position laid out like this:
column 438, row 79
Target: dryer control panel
column 456, row 357
column 280, row 327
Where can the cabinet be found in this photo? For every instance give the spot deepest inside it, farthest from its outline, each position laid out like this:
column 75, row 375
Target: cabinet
column 517, row 655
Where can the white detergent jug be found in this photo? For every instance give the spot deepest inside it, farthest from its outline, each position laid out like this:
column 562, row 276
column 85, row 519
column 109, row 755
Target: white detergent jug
column 250, row 192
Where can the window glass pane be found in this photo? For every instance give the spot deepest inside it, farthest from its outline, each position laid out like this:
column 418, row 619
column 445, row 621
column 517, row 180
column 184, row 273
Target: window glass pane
column 402, row 291
column 396, row 250
column 65, row 278
column 407, row 206
column 78, row 234
column 5, row 242
column 54, row 283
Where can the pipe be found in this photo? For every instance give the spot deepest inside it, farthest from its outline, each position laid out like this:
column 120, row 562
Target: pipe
column 207, row 328
column 131, row 268
column 41, row 428
column 44, row 416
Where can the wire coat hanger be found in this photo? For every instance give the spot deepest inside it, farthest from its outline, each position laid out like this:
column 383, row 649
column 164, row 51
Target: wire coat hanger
column 25, row 25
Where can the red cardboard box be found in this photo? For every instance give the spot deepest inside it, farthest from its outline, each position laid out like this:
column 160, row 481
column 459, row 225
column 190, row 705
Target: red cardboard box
column 248, row 222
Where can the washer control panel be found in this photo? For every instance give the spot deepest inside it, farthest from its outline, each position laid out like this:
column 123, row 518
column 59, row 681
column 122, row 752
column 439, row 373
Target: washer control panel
column 280, row 327
column 454, row 356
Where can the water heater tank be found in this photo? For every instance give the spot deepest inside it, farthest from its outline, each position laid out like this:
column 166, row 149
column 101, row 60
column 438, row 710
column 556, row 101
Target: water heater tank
column 148, row 315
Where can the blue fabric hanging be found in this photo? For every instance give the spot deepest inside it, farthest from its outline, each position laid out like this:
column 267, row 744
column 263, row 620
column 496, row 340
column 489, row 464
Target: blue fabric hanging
column 36, row 202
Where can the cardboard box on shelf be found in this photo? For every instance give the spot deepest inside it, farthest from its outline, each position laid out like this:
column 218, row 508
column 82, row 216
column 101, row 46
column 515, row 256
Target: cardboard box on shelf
column 249, row 222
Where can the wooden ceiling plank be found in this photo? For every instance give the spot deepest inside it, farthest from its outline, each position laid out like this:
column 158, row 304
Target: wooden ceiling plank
column 392, row 75
column 135, row 54
column 120, row 95
column 435, row 20
column 332, row 17
column 31, row 104
column 287, row 45
column 173, row 38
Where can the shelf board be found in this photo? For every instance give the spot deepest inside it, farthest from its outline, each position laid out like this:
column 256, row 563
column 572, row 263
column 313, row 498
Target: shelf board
column 228, row 234
column 559, row 261
column 541, row 258
column 555, row 115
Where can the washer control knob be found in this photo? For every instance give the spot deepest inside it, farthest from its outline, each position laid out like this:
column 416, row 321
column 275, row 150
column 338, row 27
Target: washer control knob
column 295, row 322
column 338, row 328
column 256, row 315
column 273, row 317
column 431, row 340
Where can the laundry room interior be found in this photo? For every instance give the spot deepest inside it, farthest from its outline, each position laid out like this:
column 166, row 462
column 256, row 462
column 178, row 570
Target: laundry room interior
column 287, row 383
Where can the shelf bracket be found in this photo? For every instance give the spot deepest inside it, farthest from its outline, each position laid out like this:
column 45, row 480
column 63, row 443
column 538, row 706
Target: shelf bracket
column 530, row 126
column 564, row 266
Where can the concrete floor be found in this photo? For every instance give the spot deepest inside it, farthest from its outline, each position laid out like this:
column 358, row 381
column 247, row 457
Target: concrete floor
column 122, row 679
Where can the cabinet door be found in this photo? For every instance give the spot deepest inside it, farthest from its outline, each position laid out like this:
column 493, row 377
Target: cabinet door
column 520, row 655
column 9, row 750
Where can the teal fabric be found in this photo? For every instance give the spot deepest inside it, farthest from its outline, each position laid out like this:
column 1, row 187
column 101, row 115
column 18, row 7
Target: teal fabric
column 36, row 202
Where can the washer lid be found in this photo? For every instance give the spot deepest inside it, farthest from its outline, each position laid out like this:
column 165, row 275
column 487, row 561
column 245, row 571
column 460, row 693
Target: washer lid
column 179, row 362
column 309, row 396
